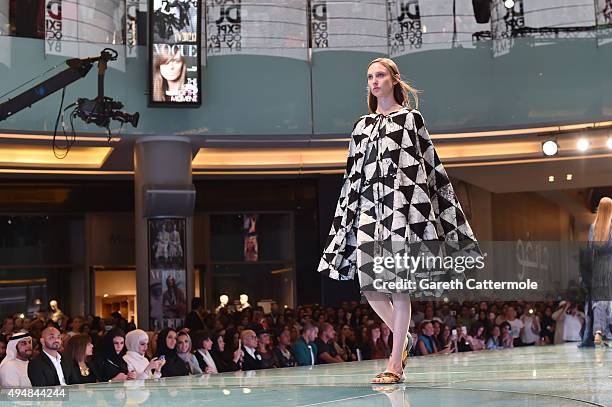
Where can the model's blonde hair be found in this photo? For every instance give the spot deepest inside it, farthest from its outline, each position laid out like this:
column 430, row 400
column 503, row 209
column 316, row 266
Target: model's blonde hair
column 401, row 90
column 601, row 230
column 160, row 85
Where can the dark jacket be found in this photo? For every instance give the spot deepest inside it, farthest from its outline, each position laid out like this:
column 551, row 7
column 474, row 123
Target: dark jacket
column 41, row 371
column 250, row 363
column 302, row 354
column 224, row 362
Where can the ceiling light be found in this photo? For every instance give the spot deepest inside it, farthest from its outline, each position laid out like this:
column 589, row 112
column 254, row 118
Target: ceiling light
column 609, row 142
column 105, row 295
column 569, row 177
column 550, row 147
column 22, row 155
column 551, row 178
column 583, row 144
column 509, row 3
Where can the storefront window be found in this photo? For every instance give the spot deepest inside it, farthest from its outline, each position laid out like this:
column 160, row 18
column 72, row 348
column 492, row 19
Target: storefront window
column 252, row 254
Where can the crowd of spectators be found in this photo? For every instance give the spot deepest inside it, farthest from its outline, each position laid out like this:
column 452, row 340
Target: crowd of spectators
column 40, row 351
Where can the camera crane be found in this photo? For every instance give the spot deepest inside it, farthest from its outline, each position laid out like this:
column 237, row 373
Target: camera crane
column 99, row 111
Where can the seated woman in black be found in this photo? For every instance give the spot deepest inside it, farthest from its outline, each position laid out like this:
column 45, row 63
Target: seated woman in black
column 166, row 348
column 224, row 361
column 110, row 363
column 283, row 353
column 76, row 360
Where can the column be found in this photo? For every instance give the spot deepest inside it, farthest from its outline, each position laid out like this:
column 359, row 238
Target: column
column 162, row 162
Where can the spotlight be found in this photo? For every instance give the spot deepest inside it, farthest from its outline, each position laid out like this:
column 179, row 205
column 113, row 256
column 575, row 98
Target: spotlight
column 609, row 142
column 550, row 147
column 583, row 144
column 509, row 3
column 551, row 178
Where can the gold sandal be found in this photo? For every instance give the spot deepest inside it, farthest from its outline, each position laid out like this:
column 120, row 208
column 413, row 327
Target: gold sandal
column 387, row 378
column 407, row 351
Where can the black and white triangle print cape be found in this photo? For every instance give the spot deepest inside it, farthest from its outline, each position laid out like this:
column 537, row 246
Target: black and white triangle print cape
column 418, row 202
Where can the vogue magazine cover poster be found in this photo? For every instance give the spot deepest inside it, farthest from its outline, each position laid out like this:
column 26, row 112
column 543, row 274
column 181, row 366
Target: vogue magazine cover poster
column 174, row 52
column 167, row 272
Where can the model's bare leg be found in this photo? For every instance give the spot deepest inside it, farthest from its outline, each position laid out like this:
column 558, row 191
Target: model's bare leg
column 382, row 305
column 401, row 323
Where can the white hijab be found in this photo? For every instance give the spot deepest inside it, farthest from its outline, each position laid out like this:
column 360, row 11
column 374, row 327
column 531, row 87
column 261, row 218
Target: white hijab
column 135, row 360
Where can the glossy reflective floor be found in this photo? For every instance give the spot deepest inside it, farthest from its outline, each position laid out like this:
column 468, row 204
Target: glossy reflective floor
column 536, row 376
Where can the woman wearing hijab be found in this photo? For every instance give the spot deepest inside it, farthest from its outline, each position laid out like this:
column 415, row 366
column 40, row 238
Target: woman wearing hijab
column 184, row 351
column 166, row 349
column 111, row 365
column 223, row 362
column 137, row 343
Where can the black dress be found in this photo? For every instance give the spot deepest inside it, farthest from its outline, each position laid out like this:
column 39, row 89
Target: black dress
column 284, row 360
column 109, row 363
column 108, row 368
column 73, row 375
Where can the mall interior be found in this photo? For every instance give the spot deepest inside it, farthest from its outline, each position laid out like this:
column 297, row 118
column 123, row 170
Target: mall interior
column 517, row 99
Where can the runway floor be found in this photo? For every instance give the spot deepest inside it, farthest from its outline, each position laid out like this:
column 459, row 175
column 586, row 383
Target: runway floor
column 534, row 376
